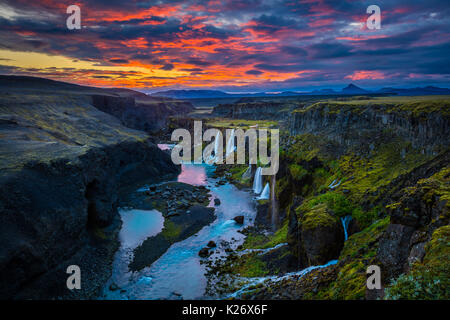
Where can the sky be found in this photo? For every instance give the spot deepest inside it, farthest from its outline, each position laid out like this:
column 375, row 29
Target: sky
column 231, row 45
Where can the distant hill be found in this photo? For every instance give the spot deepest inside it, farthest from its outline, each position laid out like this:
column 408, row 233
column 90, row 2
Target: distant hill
column 429, row 90
column 24, row 83
column 352, row 89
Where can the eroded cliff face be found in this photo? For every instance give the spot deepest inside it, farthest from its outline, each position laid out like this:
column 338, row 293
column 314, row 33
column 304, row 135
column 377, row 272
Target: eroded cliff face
column 386, row 167
column 63, row 166
column 142, row 113
column 256, row 110
column 352, row 125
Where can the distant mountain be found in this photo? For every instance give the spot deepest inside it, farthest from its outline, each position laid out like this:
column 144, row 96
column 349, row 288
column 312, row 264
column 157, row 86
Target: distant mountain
column 26, row 83
column 323, row 91
column 429, row 90
column 352, row 89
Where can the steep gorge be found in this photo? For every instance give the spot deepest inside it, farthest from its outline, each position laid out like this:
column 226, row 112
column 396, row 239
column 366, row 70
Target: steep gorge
column 63, row 165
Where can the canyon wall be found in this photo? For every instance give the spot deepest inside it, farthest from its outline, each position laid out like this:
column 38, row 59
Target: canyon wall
column 63, row 164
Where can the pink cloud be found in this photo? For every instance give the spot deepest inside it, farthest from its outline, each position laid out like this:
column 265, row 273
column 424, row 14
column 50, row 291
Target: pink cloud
column 363, row 74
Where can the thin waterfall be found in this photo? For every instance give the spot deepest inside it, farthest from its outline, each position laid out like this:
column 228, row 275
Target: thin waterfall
column 230, row 144
column 345, row 221
column 257, row 181
column 275, row 217
column 212, row 158
column 334, row 184
column 265, row 194
column 248, row 173
column 216, row 145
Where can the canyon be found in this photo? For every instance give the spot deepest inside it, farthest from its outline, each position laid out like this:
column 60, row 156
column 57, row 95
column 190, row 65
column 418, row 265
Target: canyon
column 87, row 179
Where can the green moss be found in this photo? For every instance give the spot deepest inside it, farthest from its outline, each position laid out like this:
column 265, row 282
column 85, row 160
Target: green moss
column 306, row 147
column 362, row 242
column 317, row 216
column 335, row 201
column 260, row 241
column 366, row 217
column 430, row 279
column 250, row 266
column 364, row 176
column 416, row 105
column 240, row 123
column 171, row 231
column 297, row 171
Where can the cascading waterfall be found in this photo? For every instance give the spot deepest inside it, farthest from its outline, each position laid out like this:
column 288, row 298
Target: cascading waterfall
column 345, row 221
column 275, row 219
column 265, row 194
column 262, row 251
column 334, row 184
column 248, row 173
column 267, row 280
column 257, row 181
column 230, row 144
column 212, row 158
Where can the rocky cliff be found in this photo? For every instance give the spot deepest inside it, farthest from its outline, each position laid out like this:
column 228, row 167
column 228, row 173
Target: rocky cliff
column 62, row 165
column 362, row 181
column 142, row 113
column 257, row 110
column 425, row 124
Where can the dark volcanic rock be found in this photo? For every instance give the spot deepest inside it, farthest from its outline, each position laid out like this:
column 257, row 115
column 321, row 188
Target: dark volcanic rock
column 204, row 252
column 217, row 201
column 322, row 244
column 239, row 219
column 263, row 214
column 394, row 249
column 321, row 236
column 142, row 113
column 211, row 244
column 61, row 172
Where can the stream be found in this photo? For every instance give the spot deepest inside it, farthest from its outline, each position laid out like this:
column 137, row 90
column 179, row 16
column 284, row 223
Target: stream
column 177, row 274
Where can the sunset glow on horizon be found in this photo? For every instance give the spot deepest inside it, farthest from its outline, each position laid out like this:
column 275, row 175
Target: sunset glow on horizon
column 235, row 45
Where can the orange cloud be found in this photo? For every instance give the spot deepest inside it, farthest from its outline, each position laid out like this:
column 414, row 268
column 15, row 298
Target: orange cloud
column 360, row 75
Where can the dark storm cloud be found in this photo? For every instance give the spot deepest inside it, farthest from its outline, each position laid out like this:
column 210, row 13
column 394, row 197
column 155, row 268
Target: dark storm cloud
column 250, row 38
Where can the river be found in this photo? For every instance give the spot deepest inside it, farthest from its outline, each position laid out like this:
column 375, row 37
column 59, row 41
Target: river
column 178, row 274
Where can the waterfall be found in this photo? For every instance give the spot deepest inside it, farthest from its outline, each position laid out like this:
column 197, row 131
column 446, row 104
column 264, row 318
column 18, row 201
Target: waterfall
column 262, row 251
column 265, row 194
column 345, row 221
column 248, row 173
column 216, row 145
column 212, row 158
column 266, row 281
column 275, row 219
column 257, row 181
column 230, row 144
column 334, row 184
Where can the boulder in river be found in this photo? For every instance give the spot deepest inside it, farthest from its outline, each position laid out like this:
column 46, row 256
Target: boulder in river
column 211, row 244
column 239, row 219
column 217, row 201
column 204, row 252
